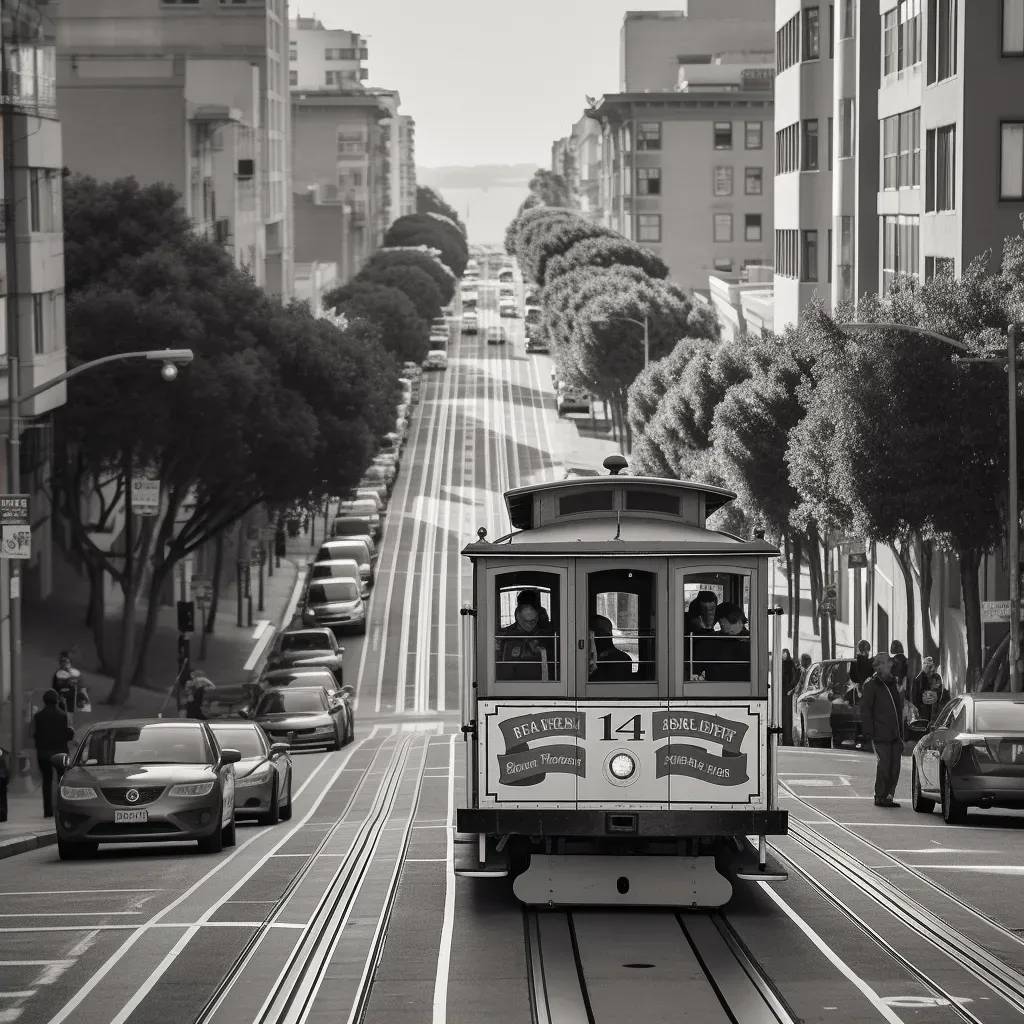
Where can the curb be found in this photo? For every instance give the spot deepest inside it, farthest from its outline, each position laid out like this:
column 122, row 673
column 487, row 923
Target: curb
column 15, row 846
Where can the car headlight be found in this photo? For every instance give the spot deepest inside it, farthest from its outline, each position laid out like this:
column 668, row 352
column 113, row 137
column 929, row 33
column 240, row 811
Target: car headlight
column 191, row 789
column 77, row 793
column 256, row 778
column 622, row 766
column 323, row 730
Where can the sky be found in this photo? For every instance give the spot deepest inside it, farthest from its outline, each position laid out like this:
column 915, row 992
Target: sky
column 488, row 83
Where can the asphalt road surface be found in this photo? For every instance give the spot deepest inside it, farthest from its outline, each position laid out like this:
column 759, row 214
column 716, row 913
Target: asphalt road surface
column 350, row 910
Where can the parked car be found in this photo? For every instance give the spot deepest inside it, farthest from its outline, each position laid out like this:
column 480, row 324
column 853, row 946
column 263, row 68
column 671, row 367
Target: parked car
column 146, row 781
column 436, row 360
column 506, row 274
column 310, row 646
column 360, row 549
column 337, row 603
column 532, row 298
column 375, row 480
column 362, row 510
column 304, row 675
column 392, row 442
column 439, row 339
column 537, row 343
column 372, row 495
column 340, row 568
column 533, row 315
column 305, row 717
column 507, row 308
column 496, row 336
column 263, row 778
column 507, row 291
column 826, row 709
column 470, row 322
column 353, row 526
column 572, row 400
column 972, row 756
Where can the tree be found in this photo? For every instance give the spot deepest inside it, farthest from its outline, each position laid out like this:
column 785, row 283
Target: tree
column 435, row 231
column 607, row 250
column 526, row 217
column 652, row 383
column 429, row 200
column 551, row 189
column 402, row 330
column 558, row 238
column 422, row 258
column 538, row 222
column 417, row 285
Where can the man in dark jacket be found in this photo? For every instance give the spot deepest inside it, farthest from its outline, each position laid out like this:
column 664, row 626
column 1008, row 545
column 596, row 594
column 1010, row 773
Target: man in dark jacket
column 881, row 716
column 52, row 735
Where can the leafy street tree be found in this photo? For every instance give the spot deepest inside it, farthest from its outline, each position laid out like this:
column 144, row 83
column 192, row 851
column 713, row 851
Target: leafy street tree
column 417, row 285
column 653, row 382
column 403, row 331
column 607, row 250
column 527, row 221
column 429, row 200
column 420, row 257
column 559, row 237
column 276, row 409
column 435, row 231
column 551, row 189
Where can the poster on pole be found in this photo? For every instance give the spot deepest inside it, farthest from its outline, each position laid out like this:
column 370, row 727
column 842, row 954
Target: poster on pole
column 145, row 496
column 15, row 526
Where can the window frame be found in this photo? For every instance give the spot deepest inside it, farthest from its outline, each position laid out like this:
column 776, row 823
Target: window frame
column 644, row 141
column 747, row 219
column 1002, row 33
column 806, row 133
column 759, row 125
column 715, row 126
column 753, row 174
column 806, row 242
column 639, row 229
column 38, row 323
column 715, row 214
column 847, row 19
column 847, row 127
column 726, row 173
column 1005, row 123
column 644, row 174
column 810, row 16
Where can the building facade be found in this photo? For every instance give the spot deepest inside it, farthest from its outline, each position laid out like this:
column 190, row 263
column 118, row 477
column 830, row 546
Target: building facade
column 406, row 165
column 325, row 58
column 577, row 159
column 194, row 94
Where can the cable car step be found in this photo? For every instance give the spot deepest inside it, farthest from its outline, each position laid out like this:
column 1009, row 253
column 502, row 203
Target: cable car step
column 467, row 861
column 746, row 866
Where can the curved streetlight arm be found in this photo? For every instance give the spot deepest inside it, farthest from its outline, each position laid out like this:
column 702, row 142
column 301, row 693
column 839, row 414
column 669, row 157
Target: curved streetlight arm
column 906, row 329
column 176, row 356
column 628, row 319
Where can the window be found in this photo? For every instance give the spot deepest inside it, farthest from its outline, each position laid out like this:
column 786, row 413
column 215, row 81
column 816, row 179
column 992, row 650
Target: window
column 723, row 263
column 847, row 14
column 809, row 145
column 940, row 172
column 787, row 149
column 38, row 324
column 753, row 134
column 333, row 53
column 527, row 616
column 293, row 53
column 900, row 242
column 350, row 142
column 831, row 31
column 939, row 266
column 36, row 179
column 847, row 128
column 828, row 257
column 941, row 40
column 890, row 25
column 844, row 264
column 293, row 78
column 1013, row 28
column 752, row 227
column 1011, row 170
column 787, row 256
column 723, row 181
column 622, row 615
column 648, row 136
column 830, row 143
column 787, row 45
column 812, row 33
column 648, row 181
column 723, row 227
column 753, row 181
column 723, row 135
column 808, row 255
column 901, row 150
column 716, row 634
column 648, row 227
column 901, row 37
column 335, row 78
column 3, row 325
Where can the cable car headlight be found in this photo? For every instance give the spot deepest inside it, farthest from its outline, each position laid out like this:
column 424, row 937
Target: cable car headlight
column 622, row 766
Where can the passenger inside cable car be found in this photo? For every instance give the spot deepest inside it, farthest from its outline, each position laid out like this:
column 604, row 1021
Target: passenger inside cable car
column 608, row 664
column 716, row 635
column 525, row 641
column 621, row 611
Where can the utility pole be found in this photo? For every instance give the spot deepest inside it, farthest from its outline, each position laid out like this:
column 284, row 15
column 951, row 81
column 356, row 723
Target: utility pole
column 647, row 343
column 1013, row 514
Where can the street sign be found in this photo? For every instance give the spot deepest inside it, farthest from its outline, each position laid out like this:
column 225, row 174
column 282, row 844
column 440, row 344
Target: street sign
column 145, row 496
column 996, row 611
column 16, row 540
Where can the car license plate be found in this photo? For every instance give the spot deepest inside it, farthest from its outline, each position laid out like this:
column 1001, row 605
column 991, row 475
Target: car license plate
column 130, row 817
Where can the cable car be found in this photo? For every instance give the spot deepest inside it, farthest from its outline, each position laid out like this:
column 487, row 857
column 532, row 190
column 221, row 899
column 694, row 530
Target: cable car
column 616, row 705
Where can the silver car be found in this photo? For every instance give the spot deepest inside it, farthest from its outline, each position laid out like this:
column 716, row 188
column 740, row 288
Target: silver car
column 146, row 781
column 263, row 778
column 304, row 717
column 336, row 603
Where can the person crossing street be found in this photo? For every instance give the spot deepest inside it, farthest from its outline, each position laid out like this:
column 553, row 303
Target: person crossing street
column 881, row 714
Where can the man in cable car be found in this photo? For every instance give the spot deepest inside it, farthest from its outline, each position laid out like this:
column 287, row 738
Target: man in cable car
column 699, row 630
column 729, row 650
column 525, row 649
column 607, row 664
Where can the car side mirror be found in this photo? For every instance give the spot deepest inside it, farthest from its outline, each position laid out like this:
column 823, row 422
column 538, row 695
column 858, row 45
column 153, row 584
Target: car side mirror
column 348, row 692
column 229, row 756
column 920, row 726
column 60, row 761
column 280, row 748
column 244, row 712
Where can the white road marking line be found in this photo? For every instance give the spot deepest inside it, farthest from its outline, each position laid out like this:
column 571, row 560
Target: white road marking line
column 74, row 892
column 49, row 974
column 923, row 824
column 995, row 869
column 80, row 996
column 425, row 860
column 840, row 965
column 27, row 994
column 84, row 944
column 939, row 849
column 79, row 913
column 32, row 963
column 9, row 1016
column 444, row 952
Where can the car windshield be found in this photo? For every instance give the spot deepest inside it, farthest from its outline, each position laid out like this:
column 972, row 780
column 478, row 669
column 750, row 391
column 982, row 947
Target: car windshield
column 309, row 675
column 999, row 716
column 158, row 743
column 326, row 570
column 340, row 552
column 280, row 702
column 352, row 525
column 245, row 739
column 305, row 642
column 333, row 590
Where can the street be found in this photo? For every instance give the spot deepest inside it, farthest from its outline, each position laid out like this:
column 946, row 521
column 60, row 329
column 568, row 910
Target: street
column 350, row 911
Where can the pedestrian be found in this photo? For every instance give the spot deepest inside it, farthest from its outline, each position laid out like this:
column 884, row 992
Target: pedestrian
column 52, row 733
column 196, row 689
column 861, row 670
column 928, row 695
column 65, row 682
column 789, row 678
column 881, row 716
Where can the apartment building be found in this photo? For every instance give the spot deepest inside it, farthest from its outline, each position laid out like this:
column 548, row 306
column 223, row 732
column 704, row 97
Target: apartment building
column 406, row 165
column 653, row 44
column 192, row 93
column 32, row 340
column 325, row 58
column 577, row 158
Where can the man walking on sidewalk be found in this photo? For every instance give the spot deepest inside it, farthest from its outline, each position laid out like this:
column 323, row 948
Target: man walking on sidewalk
column 881, row 716
column 52, row 735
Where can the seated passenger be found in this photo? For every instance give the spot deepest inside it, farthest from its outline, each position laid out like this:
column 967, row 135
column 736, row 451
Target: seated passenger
column 728, row 652
column 608, row 664
column 525, row 649
column 699, row 628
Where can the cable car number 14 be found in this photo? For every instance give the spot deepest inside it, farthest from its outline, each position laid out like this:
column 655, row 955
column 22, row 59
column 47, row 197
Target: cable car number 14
column 630, row 728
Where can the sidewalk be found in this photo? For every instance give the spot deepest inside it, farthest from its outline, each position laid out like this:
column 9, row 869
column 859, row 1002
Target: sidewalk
column 233, row 656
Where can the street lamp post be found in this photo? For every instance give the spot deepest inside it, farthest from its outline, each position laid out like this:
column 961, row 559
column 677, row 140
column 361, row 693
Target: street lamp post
column 170, row 359
column 1013, row 512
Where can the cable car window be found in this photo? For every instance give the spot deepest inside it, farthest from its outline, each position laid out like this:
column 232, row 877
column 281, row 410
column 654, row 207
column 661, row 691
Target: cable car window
column 526, row 646
column 652, row 501
column 716, row 633
column 588, row 501
column 622, row 615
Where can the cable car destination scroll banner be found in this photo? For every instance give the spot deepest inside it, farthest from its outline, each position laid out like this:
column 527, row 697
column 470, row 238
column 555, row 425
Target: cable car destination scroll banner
column 522, row 766
column 729, row 769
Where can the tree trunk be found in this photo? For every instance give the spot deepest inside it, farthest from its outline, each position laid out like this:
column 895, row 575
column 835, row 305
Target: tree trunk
column 156, row 583
column 97, row 621
column 218, row 569
column 925, row 553
column 795, row 583
column 970, row 563
column 129, row 590
column 814, row 568
column 788, row 551
column 902, row 549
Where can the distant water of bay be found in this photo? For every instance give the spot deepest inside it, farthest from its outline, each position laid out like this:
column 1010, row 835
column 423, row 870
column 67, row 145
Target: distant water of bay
column 486, row 212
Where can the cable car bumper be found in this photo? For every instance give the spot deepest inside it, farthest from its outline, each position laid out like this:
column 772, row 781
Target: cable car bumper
column 653, row 824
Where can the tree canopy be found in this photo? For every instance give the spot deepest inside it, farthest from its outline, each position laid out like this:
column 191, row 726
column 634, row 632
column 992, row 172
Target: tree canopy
column 403, row 331
column 435, row 231
column 606, row 250
column 416, row 284
column 558, row 238
column 429, row 200
column 421, row 257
